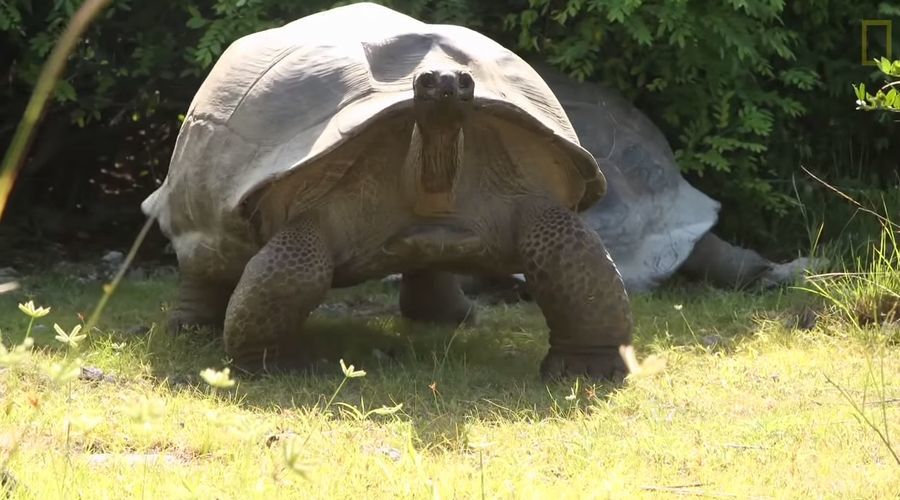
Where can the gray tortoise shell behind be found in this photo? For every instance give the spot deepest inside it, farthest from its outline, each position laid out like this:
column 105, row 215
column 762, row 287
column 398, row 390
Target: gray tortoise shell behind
column 280, row 99
column 650, row 218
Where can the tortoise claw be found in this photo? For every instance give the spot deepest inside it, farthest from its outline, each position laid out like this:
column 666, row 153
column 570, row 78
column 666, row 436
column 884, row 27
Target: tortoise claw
column 606, row 364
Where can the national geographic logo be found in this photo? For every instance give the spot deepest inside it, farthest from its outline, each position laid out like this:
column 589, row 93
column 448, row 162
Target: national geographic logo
column 866, row 58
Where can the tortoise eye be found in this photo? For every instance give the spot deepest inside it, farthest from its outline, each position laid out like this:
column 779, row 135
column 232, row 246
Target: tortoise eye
column 427, row 80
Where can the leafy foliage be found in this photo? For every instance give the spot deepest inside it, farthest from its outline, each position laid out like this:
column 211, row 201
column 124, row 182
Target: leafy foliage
column 887, row 97
column 741, row 88
column 745, row 90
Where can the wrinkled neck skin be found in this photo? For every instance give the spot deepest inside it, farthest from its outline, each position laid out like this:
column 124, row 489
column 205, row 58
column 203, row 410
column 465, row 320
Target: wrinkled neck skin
column 440, row 157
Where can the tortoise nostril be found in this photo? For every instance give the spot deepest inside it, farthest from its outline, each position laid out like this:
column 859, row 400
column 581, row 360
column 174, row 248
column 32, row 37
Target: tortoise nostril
column 465, row 80
column 427, row 80
column 441, row 84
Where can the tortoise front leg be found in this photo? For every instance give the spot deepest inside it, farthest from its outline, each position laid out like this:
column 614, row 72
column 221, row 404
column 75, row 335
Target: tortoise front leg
column 201, row 304
column 575, row 283
column 205, row 285
column 281, row 285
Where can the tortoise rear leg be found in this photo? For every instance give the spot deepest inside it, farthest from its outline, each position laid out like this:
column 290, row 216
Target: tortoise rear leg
column 723, row 264
column 579, row 290
column 434, row 297
column 281, row 285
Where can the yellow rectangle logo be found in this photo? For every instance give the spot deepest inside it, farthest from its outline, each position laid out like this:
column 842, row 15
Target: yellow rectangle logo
column 888, row 28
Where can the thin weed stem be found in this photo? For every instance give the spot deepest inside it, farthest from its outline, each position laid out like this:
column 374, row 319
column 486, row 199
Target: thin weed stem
column 34, row 111
column 110, row 288
column 883, row 435
column 28, row 330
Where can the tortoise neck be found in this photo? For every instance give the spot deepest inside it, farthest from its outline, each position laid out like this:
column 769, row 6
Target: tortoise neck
column 441, row 158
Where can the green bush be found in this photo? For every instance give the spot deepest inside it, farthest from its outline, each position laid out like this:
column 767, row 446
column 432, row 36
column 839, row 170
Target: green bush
column 886, row 98
column 115, row 115
column 144, row 58
column 746, row 91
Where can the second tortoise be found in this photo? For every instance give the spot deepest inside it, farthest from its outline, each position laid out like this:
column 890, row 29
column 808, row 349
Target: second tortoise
column 652, row 221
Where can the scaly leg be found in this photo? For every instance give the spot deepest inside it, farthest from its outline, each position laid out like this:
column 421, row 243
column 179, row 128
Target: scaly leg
column 281, row 285
column 579, row 290
column 206, row 281
column 723, row 264
column 201, row 304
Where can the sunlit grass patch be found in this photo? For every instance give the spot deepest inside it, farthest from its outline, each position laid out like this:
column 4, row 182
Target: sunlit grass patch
column 742, row 406
column 872, row 294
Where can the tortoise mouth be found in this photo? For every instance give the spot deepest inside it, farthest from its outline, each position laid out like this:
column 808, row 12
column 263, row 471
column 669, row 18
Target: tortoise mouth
column 442, row 113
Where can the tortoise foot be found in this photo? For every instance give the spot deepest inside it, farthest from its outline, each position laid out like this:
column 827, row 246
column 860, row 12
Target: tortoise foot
column 579, row 290
column 598, row 364
column 285, row 364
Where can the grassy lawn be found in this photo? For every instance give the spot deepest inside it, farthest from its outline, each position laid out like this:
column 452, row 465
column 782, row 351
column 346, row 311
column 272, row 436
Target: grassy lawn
column 736, row 401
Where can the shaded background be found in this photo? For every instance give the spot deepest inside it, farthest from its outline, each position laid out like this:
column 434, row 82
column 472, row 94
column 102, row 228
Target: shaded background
column 746, row 92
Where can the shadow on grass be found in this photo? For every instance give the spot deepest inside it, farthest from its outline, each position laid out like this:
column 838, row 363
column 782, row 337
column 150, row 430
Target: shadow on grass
column 444, row 377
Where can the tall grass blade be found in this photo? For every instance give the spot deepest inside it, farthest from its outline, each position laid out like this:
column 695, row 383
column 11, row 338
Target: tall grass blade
column 34, row 111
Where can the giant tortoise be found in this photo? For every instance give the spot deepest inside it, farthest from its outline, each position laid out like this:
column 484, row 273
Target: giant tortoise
column 359, row 142
column 652, row 221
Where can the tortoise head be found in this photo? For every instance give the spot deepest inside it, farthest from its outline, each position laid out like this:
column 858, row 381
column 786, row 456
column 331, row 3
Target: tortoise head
column 442, row 98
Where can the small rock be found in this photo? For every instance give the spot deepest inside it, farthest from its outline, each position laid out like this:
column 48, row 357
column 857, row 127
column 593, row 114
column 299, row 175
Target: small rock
column 137, row 274
column 182, row 380
column 8, row 286
column 381, row 355
column 164, row 272
column 277, row 437
column 333, row 309
column 712, row 340
column 90, row 277
column 807, row 319
column 93, row 374
column 392, row 279
column 64, row 267
column 113, row 258
column 138, row 330
column 134, row 458
column 392, row 453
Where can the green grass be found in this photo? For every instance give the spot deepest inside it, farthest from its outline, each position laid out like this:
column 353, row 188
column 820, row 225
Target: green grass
column 743, row 406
